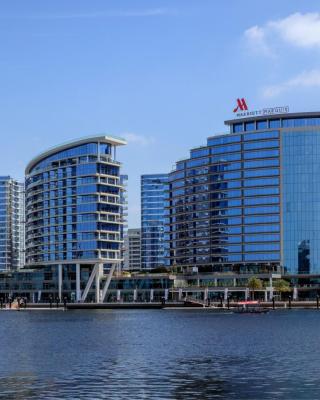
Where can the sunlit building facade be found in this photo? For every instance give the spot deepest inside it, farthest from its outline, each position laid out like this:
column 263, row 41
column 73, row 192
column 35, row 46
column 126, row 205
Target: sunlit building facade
column 11, row 224
column 74, row 211
column 249, row 200
column 153, row 201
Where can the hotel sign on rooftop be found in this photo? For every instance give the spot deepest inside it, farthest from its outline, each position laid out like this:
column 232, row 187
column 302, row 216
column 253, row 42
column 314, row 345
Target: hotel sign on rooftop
column 241, row 110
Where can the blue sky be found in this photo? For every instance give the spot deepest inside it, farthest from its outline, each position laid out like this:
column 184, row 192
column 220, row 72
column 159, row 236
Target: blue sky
column 163, row 74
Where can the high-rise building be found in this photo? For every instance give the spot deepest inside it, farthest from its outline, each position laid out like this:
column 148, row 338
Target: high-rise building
column 132, row 253
column 11, row 223
column 250, row 200
column 153, row 245
column 73, row 209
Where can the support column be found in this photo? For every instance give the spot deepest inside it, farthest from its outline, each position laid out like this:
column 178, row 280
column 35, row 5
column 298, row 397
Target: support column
column 97, row 282
column 106, row 286
column 266, row 295
column 166, row 294
column 78, row 280
column 118, row 295
column 151, row 295
column 60, row 281
column 225, row 294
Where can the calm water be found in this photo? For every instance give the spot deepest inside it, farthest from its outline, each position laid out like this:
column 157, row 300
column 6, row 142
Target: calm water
column 159, row 354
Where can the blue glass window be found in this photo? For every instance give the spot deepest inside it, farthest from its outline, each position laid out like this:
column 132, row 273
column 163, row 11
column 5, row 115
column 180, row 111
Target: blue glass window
column 261, row 144
column 262, row 210
column 260, row 219
column 237, row 128
column 260, row 200
column 261, row 182
column 226, row 157
column 274, row 123
column 262, row 125
column 212, row 141
column 261, row 135
column 226, row 149
column 261, row 191
column 200, row 152
column 261, row 228
column 261, row 172
column 250, row 126
column 261, row 154
column 262, row 257
column 262, row 238
column 262, row 163
column 262, row 247
column 197, row 162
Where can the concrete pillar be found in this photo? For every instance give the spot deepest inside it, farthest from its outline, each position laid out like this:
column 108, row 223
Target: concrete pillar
column 151, row 295
column 118, row 295
column 180, row 294
column 60, row 281
column 135, row 295
column 271, row 293
column 295, row 294
column 266, row 295
column 166, row 294
column 206, row 294
column 97, row 283
column 235, row 282
column 225, row 294
column 247, row 294
column 78, row 279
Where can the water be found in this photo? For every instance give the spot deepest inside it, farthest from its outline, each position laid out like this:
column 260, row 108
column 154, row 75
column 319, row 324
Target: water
column 159, row 354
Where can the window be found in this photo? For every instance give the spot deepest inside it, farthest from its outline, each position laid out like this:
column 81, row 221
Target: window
column 261, row 154
column 250, row 126
column 261, row 135
column 237, row 128
column 261, row 144
column 262, row 125
column 274, row 123
column 260, row 172
column 223, row 140
column 261, row 191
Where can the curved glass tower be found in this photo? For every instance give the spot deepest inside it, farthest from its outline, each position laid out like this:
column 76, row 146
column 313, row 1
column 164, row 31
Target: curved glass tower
column 249, row 201
column 73, row 207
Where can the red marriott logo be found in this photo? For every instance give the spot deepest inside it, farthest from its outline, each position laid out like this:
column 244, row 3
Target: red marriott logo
column 241, row 105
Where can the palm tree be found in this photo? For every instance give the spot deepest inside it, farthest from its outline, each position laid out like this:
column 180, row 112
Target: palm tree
column 281, row 286
column 254, row 284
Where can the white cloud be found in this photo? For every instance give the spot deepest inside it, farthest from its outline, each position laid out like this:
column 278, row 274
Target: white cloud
column 307, row 79
column 256, row 37
column 298, row 30
column 140, row 140
column 151, row 12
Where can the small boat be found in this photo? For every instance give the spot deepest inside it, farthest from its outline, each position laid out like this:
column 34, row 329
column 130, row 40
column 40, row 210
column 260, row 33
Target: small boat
column 250, row 307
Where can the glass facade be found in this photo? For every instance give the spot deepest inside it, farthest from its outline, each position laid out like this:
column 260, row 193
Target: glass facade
column 153, row 244
column 215, row 201
column 249, row 197
column 11, row 224
column 73, row 203
column 301, row 200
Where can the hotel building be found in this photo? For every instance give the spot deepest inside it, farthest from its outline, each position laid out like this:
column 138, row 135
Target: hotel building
column 74, row 212
column 249, row 201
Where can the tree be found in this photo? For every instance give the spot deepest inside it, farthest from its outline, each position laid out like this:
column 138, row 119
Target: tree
column 281, row 286
column 254, row 284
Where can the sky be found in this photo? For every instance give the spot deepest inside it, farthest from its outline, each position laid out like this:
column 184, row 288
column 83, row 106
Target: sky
column 165, row 75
